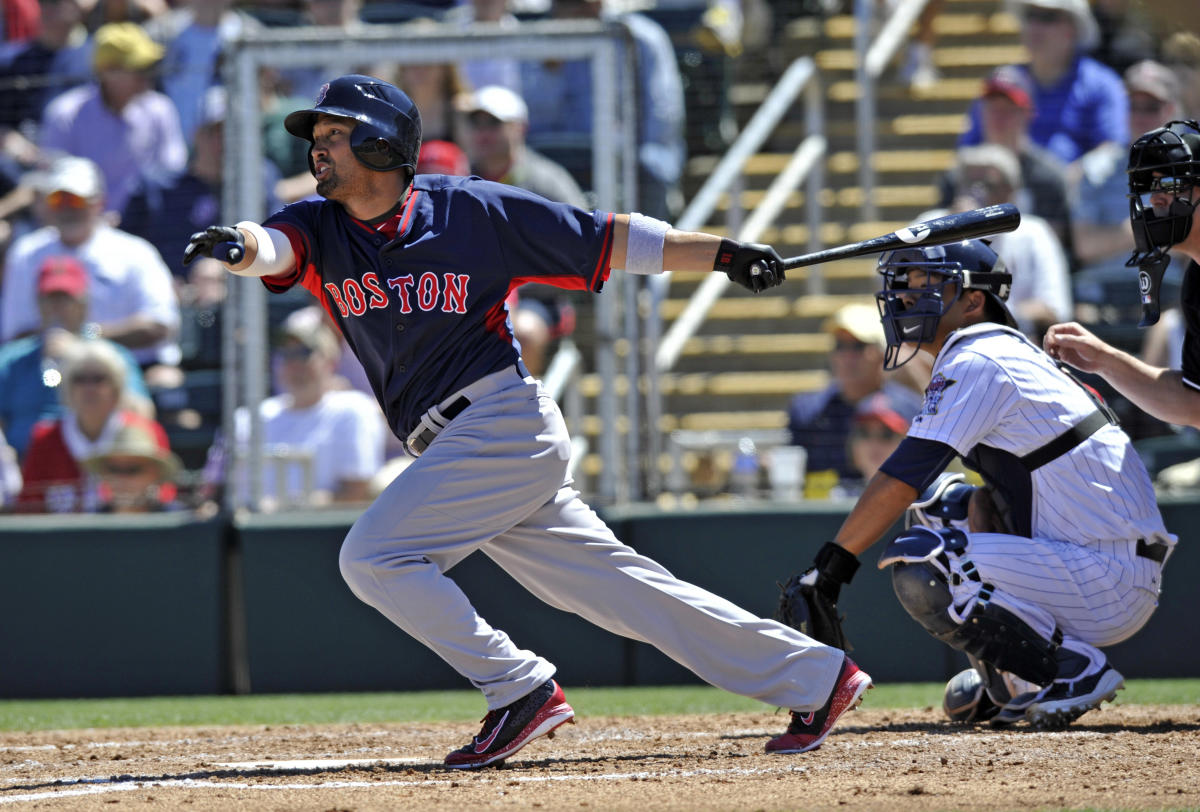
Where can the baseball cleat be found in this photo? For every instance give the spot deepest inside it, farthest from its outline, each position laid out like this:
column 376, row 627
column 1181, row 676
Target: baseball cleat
column 506, row 730
column 808, row 730
column 1064, row 701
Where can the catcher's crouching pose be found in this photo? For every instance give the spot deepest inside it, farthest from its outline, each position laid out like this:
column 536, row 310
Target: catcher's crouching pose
column 1062, row 551
column 415, row 271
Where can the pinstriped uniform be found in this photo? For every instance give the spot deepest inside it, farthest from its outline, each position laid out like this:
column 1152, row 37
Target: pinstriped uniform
column 1080, row 571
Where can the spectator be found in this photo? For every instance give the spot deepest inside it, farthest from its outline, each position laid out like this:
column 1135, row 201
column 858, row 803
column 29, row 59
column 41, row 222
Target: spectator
column 1078, row 102
column 875, row 432
column 18, row 20
column 561, row 97
column 498, row 70
column 1005, row 112
column 1126, row 34
column 31, row 367
column 10, row 474
column 131, row 302
column 53, row 62
column 102, row 12
column 989, row 174
column 194, row 36
column 94, row 399
column 434, row 88
column 119, row 122
column 289, row 155
column 135, row 473
column 495, row 122
column 167, row 211
column 327, row 442
column 1181, row 52
column 1102, row 232
column 343, row 15
column 442, row 158
column 821, row 421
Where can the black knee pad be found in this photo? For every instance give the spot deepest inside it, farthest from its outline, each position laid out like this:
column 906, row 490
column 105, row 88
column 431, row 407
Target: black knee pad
column 922, row 590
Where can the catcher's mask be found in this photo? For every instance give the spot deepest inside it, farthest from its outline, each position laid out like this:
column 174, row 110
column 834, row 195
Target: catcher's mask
column 1164, row 167
column 910, row 314
column 387, row 132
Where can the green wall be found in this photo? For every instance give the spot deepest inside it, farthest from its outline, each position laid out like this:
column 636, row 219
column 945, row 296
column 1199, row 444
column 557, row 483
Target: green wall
column 106, row 606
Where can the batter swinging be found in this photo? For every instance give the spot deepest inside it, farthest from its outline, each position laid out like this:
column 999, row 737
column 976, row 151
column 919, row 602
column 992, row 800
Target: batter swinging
column 415, row 270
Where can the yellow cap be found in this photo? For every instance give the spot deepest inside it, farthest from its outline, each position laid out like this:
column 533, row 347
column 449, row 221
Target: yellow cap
column 124, row 45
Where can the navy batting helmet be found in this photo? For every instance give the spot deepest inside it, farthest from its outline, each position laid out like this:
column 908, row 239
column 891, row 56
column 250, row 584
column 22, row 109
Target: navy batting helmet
column 970, row 265
column 1163, row 160
column 388, row 133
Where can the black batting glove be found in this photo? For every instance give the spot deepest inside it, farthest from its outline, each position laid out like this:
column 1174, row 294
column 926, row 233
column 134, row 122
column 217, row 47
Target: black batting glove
column 753, row 266
column 833, row 566
column 226, row 243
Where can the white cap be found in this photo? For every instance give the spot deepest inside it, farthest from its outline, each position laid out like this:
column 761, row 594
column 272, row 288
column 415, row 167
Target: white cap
column 77, row 176
column 496, row 101
column 1086, row 29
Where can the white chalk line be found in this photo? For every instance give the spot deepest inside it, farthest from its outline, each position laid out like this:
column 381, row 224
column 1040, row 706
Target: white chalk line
column 104, row 786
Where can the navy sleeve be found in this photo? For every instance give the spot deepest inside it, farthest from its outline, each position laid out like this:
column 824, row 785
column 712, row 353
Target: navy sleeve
column 917, row 462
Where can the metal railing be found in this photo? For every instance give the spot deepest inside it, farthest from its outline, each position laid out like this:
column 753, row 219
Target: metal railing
column 805, row 164
column 872, row 58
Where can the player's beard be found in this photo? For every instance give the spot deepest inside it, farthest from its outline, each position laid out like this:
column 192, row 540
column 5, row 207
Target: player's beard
column 329, row 184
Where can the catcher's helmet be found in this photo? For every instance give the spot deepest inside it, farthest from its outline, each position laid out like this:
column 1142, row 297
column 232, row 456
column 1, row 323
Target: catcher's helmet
column 970, row 264
column 388, row 133
column 1168, row 160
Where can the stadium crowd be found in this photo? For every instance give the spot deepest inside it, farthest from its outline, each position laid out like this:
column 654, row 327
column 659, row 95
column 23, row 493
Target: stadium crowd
column 111, row 141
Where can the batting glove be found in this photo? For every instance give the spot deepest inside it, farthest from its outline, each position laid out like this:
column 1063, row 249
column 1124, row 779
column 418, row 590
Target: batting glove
column 755, row 267
column 225, row 243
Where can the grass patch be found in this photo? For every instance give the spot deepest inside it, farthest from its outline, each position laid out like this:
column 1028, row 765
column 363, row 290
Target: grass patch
column 426, row 706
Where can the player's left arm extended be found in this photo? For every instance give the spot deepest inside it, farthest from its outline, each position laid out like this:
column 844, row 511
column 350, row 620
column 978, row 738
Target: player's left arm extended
column 246, row 249
column 644, row 245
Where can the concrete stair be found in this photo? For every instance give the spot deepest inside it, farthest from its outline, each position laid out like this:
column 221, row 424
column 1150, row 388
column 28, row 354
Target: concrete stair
column 754, row 353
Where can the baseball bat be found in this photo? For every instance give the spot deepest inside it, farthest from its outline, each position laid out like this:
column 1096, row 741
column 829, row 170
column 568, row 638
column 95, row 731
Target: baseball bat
column 939, row 231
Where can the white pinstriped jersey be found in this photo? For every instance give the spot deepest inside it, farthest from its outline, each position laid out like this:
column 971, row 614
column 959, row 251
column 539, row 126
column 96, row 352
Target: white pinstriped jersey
column 991, row 386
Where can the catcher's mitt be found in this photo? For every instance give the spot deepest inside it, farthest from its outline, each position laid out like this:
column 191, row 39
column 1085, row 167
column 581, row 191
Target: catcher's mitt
column 808, row 602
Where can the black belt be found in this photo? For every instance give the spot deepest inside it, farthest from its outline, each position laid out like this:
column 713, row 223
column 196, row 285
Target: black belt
column 1155, row 552
column 420, row 441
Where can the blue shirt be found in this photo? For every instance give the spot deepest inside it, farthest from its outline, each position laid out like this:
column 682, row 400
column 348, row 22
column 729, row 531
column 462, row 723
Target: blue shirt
column 1085, row 108
column 424, row 311
column 24, row 396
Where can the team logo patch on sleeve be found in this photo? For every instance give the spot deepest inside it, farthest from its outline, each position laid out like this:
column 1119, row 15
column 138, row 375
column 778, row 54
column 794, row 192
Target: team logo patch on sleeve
column 933, row 393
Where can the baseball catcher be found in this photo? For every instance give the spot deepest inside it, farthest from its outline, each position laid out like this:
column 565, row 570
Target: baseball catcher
column 1058, row 555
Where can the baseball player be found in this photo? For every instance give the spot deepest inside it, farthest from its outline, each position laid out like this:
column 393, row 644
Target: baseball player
column 415, row 271
column 1164, row 176
column 1064, row 546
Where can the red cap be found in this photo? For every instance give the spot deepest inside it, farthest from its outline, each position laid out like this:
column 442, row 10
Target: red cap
column 442, row 158
column 879, row 407
column 1009, row 81
column 62, row 274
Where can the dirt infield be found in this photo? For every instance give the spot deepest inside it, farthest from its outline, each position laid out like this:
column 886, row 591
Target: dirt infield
column 1122, row 756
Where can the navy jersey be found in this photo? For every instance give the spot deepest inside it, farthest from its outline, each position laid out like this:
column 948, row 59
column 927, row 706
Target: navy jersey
column 424, row 309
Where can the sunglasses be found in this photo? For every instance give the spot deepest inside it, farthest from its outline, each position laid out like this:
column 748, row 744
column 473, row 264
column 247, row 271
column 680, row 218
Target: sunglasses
column 877, row 433
column 1045, row 15
column 1146, row 107
column 65, row 200
column 849, row 346
column 484, row 121
column 294, row 352
column 126, row 469
column 90, row 378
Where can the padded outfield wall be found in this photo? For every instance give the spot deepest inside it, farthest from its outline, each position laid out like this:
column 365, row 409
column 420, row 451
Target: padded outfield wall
column 107, row 606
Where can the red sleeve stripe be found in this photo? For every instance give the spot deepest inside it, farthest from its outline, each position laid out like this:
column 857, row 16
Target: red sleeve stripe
column 603, row 268
column 409, row 208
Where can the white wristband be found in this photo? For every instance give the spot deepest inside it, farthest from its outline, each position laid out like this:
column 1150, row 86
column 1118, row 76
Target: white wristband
column 644, row 251
column 274, row 256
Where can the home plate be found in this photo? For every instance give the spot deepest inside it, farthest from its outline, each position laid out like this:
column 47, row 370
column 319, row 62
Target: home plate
column 301, row 765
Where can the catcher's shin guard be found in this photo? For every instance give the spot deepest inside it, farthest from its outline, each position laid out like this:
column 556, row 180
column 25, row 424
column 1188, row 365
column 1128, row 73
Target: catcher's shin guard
column 921, row 576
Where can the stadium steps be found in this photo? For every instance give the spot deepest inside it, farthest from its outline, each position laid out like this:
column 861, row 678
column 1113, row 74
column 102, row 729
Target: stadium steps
column 755, row 352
